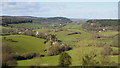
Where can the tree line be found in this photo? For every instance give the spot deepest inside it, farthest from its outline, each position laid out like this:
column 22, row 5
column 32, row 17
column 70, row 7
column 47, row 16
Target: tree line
column 105, row 22
column 5, row 20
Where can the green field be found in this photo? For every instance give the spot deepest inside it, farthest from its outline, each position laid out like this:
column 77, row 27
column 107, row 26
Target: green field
column 6, row 30
column 77, row 54
column 108, row 33
column 40, row 61
column 25, row 44
column 28, row 25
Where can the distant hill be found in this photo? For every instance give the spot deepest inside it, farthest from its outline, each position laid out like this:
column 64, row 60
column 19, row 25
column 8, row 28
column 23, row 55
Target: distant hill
column 105, row 22
column 77, row 20
column 101, row 24
column 29, row 19
column 5, row 20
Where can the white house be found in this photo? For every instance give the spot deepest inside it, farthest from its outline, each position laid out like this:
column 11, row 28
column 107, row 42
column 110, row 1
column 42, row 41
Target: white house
column 37, row 33
column 92, row 24
column 100, row 31
column 103, row 29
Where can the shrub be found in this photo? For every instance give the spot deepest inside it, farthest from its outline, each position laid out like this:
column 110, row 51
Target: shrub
column 88, row 60
column 107, row 50
column 53, row 50
column 65, row 59
column 65, row 47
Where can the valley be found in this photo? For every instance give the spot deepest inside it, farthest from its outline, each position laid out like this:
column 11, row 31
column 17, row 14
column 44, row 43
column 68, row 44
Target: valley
column 42, row 43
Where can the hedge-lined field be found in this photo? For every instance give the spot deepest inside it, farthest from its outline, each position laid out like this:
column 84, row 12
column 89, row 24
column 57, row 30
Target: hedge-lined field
column 25, row 44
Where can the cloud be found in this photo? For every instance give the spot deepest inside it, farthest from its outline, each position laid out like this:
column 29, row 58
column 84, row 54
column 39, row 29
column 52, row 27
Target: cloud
column 69, row 9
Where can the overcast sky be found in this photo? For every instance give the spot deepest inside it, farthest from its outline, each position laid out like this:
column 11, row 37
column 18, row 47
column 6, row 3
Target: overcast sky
column 91, row 10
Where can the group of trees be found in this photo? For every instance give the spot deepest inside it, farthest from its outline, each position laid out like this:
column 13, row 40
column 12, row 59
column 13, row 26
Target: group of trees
column 65, row 59
column 90, row 60
column 8, row 57
column 92, row 27
column 54, row 47
column 98, row 25
column 14, row 20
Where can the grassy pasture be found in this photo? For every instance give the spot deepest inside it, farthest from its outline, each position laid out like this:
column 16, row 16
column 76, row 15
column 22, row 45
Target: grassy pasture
column 114, row 59
column 40, row 61
column 46, row 30
column 71, row 39
column 108, row 33
column 116, row 49
column 25, row 44
column 77, row 54
column 106, row 40
column 73, row 26
column 28, row 25
column 6, row 30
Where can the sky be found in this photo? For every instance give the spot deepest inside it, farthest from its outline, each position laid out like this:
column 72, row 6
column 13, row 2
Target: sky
column 59, row 0
column 84, row 10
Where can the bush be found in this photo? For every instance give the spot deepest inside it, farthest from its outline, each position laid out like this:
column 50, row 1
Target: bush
column 55, row 48
column 65, row 59
column 88, row 60
column 65, row 47
column 107, row 50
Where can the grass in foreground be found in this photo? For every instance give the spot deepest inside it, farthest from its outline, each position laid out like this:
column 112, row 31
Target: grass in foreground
column 77, row 54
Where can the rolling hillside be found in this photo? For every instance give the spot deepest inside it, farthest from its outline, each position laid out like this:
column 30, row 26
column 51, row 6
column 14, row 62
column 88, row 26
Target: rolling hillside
column 23, row 44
